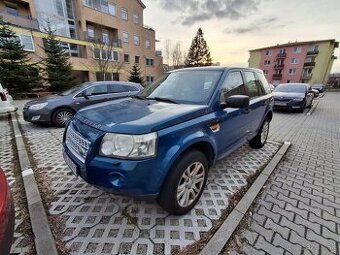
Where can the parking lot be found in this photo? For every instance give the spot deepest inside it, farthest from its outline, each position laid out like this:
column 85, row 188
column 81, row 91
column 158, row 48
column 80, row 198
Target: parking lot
column 95, row 222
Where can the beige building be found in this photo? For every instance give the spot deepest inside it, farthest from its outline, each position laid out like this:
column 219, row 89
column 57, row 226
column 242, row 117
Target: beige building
column 308, row 62
column 96, row 34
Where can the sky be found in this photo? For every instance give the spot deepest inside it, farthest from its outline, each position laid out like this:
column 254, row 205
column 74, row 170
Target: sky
column 233, row 27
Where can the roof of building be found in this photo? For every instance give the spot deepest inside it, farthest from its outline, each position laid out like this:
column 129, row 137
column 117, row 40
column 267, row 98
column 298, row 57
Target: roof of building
column 141, row 3
column 294, row 44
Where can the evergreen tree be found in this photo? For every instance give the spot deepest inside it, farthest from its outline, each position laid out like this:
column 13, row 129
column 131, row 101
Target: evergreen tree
column 16, row 73
column 57, row 66
column 199, row 54
column 135, row 74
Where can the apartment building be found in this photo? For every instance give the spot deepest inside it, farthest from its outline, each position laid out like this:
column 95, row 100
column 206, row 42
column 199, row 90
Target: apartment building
column 307, row 62
column 95, row 33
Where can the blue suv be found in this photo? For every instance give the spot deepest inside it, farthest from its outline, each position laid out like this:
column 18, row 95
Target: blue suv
column 161, row 143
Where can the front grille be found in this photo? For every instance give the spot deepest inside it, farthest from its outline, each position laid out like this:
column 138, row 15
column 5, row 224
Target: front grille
column 282, row 99
column 76, row 143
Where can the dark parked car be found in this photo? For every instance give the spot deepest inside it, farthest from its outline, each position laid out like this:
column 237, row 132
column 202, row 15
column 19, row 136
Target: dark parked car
column 161, row 143
column 6, row 215
column 59, row 109
column 319, row 87
column 293, row 96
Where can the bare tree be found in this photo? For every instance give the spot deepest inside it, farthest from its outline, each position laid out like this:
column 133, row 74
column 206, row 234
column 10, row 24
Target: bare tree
column 177, row 55
column 103, row 53
column 167, row 51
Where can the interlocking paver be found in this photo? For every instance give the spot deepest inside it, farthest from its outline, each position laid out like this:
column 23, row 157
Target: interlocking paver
column 307, row 181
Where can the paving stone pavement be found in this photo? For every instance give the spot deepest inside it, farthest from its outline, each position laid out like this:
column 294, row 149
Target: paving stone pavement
column 100, row 223
column 299, row 211
column 21, row 243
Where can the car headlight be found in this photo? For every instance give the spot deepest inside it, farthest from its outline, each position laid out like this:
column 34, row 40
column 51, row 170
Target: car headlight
column 37, row 106
column 128, row 146
column 299, row 99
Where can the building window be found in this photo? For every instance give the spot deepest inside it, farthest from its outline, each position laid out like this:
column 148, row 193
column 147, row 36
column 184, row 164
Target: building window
column 105, row 35
column 90, row 31
column 292, row 71
column 294, row 61
column 124, row 14
column 267, row 62
column 136, row 40
column 27, row 42
column 147, row 44
column 12, row 10
column 125, row 37
column 265, row 72
column 137, row 59
column 115, row 56
column 149, row 79
column 126, row 58
column 282, row 51
column 297, row 50
column 135, row 18
column 60, row 8
column 112, row 9
column 105, row 54
column 101, row 5
column 149, row 61
column 268, row 52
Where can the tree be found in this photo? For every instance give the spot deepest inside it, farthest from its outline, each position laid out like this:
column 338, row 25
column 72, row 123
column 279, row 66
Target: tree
column 106, row 58
column 199, row 54
column 57, row 66
column 135, row 74
column 17, row 74
column 177, row 56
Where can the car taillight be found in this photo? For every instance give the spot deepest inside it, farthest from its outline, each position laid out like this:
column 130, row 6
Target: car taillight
column 3, row 96
column 4, row 200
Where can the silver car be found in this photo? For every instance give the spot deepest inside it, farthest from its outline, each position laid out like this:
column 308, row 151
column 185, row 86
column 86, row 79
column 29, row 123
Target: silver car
column 59, row 109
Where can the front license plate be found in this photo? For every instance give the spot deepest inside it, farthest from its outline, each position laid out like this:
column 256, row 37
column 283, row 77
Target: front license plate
column 70, row 164
column 280, row 103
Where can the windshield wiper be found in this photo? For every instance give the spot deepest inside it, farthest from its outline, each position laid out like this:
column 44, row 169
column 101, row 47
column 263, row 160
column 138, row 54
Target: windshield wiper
column 162, row 99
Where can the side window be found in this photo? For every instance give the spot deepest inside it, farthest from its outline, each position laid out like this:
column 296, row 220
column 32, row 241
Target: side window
column 254, row 89
column 233, row 85
column 132, row 88
column 98, row 90
column 263, row 83
column 116, row 88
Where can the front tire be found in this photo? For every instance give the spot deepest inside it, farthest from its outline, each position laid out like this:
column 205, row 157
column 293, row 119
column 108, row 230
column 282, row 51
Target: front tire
column 185, row 183
column 261, row 138
column 62, row 116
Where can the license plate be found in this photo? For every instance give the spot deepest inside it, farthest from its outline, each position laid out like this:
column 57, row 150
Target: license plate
column 70, row 164
column 280, row 103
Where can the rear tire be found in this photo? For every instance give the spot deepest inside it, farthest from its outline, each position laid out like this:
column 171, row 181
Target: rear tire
column 185, row 183
column 261, row 138
column 62, row 116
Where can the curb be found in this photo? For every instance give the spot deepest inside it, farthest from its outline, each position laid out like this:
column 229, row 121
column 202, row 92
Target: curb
column 43, row 238
column 223, row 234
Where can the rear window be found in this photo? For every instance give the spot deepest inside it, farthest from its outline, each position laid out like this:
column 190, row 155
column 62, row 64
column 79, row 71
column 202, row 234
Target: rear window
column 291, row 88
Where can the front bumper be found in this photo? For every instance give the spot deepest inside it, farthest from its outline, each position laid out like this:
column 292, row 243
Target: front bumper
column 288, row 105
column 40, row 116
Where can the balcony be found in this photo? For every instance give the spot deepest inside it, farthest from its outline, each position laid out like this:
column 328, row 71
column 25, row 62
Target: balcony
column 20, row 21
column 97, row 39
column 281, row 55
column 312, row 52
column 306, row 76
column 279, row 66
column 277, row 76
column 309, row 64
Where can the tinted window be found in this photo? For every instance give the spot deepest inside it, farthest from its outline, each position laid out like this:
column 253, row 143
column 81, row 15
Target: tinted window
column 233, row 85
column 116, row 88
column 132, row 88
column 263, row 83
column 97, row 90
column 254, row 89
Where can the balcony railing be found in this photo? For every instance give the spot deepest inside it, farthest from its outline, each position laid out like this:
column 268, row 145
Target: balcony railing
column 281, row 55
column 309, row 64
column 306, row 76
column 312, row 52
column 277, row 76
column 97, row 39
column 20, row 21
column 279, row 66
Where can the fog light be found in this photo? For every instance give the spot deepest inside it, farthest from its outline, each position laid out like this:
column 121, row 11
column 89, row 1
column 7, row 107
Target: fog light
column 36, row 117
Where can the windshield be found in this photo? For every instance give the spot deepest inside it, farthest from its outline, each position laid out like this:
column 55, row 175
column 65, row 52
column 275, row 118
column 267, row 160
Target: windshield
column 187, row 86
column 291, row 88
column 74, row 89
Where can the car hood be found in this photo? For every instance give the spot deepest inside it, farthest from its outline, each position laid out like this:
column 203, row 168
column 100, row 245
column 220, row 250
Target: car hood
column 135, row 116
column 45, row 99
column 288, row 94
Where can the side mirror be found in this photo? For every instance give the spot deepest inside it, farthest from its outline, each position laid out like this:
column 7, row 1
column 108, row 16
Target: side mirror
column 86, row 94
column 237, row 101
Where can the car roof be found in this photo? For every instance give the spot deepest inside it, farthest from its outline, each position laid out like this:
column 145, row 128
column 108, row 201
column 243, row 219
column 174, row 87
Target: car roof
column 295, row 83
column 214, row 68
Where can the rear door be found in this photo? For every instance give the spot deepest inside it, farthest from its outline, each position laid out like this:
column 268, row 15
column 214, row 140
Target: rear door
column 258, row 103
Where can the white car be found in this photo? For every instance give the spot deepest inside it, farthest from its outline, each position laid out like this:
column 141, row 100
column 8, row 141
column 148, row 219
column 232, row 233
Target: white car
column 6, row 101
